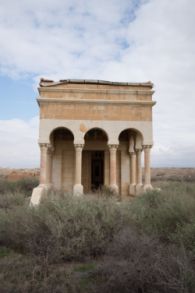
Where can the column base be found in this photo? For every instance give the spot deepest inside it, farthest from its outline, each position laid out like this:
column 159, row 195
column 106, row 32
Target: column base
column 114, row 188
column 139, row 189
column 148, row 187
column 78, row 189
column 39, row 193
column 132, row 189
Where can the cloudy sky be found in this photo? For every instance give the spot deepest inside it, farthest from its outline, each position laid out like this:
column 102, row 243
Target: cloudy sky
column 126, row 40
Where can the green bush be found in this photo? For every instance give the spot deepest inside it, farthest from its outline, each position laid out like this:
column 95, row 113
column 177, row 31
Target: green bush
column 11, row 200
column 162, row 212
column 24, row 186
column 68, row 228
column 185, row 235
column 23, row 274
column 145, row 244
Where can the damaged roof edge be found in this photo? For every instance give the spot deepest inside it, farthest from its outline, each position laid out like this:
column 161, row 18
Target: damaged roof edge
column 48, row 82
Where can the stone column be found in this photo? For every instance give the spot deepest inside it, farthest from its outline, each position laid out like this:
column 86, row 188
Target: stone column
column 78, row 187
column 125, row 172
column 106, row 168
column 45, row 174
column 50, row 150
column 46, row 164
column 147, row 173
column 113, row 170
column 132, row 186
column 139, row 171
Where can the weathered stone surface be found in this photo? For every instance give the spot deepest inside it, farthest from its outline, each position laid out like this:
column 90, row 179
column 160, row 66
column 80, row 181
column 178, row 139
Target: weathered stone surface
column 91, row 128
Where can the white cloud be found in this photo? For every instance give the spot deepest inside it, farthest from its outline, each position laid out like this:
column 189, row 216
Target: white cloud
column 112, row 40
column 19, row 143
column 63, row 38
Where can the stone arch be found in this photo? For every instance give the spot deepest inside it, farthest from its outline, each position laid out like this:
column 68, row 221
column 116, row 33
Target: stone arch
column 96, row 133
column 131, row 144
column 62, row 141
column 132, row 134
column 60, row 132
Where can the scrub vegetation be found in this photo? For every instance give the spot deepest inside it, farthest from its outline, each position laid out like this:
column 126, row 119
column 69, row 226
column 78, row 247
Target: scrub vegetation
column 97, row 243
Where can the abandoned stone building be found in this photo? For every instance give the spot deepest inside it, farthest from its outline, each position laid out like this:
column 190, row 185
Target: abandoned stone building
column 92, row 134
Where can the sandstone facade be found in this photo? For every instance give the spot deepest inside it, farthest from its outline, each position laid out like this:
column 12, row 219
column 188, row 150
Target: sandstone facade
column 93, row 133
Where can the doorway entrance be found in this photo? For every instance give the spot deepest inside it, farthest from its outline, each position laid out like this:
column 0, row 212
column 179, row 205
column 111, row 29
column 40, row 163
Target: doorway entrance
column 97, row 170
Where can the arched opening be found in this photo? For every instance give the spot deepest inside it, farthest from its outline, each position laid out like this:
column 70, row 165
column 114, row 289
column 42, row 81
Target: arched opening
column 61, row 133
column 95, row 160
column 63, row 158
column 133, row 134
column 96, row 134
column 130, row 144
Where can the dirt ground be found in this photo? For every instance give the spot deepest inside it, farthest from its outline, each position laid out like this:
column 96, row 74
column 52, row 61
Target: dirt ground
column 158, row 174
column 173, row 174
column 17, row 174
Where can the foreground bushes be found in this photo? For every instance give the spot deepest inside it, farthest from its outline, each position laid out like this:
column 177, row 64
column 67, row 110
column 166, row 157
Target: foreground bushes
column 136, row 262
column 63, row 229
column 144, row 245
column 23, row 274
column 22, row 186
column 166, row 213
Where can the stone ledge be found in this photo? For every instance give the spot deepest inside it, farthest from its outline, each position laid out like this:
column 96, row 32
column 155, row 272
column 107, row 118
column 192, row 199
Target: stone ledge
column 125, row 102
column 98, row 91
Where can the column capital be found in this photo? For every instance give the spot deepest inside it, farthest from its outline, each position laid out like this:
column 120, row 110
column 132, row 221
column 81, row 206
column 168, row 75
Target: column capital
column 137, row 150
column 147, row 146
column 48, row 147
column 113, row 146
column 78, row 145
column 43, row 145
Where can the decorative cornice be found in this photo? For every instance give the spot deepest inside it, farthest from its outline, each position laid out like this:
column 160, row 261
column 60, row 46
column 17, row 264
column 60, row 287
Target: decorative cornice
column 95, row 101
column 97, row 91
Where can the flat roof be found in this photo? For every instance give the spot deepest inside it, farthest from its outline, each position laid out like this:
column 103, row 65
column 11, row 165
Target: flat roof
column 48, row 82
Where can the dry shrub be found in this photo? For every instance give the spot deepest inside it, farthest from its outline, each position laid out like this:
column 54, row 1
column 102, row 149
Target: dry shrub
column 138, row 263
column 11, row 200
column 21, row 274
column 61, row 229
column 185, row 235
column 162, row 212
column 24, row 186
column 147, row 243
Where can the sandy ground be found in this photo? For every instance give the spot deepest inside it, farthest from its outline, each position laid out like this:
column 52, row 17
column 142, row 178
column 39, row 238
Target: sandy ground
column 186, row 174
column 158, row 174
column 16, row 174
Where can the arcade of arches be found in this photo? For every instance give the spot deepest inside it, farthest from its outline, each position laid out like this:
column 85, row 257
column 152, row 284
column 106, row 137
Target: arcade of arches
column 89, row 166
column 80, row 154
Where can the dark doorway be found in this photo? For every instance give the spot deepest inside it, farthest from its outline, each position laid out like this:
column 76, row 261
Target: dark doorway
column 97, row 169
